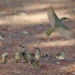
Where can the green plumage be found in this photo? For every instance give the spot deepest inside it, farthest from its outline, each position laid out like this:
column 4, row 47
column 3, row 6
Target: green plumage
column 29, row 58
column 37, row 53
column 26, row 54
column 60, row 55
column 57, row 25
column 18, row 56
column 49, row 31
column 34, row 64
column 4, row 57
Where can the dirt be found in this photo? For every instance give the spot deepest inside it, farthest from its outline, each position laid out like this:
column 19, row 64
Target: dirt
column 23, row 22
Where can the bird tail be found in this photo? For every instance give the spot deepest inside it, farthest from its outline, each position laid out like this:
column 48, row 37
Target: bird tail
column 49, row 31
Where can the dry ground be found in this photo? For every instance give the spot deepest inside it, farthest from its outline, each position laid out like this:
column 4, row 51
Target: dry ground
column 23, row 22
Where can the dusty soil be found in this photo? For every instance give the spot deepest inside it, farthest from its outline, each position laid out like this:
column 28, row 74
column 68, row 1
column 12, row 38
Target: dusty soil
column 23, row 22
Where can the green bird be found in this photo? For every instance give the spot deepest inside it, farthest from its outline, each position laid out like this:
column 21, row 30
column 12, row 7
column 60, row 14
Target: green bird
column 37, row 53
column 58, row 25
column 60, row 55
column 34, row 64
column 4, row 57
column 18, row 56
column 26, row 54
column 29, row 58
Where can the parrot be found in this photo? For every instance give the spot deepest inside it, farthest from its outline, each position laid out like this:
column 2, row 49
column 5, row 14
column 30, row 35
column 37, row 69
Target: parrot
column 57, row 25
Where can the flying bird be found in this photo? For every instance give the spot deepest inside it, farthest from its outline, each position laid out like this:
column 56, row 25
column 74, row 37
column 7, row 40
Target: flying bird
column 58, row 25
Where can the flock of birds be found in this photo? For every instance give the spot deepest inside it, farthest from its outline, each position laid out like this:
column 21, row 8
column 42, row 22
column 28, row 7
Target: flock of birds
column 34, row 59
column 30, row 58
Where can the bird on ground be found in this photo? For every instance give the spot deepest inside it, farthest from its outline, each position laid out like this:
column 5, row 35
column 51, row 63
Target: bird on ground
column 58, row 25
column 26, row 54
column 29, row 58
column 37, row 53
column 4, row 57
column 60, row 55
column 18, row 56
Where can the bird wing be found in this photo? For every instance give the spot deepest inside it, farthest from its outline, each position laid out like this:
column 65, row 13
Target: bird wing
column 54, row 19
column 64, row 32
column 52, row 16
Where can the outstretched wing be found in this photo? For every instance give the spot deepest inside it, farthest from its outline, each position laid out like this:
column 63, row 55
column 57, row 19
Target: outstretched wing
column 59, row 26
column 52, row 16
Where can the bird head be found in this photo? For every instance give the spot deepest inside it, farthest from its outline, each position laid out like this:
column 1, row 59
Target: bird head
column 64, row 18
column 62, row 52
column 37, row 49
column 6, row 54
column 25, row 48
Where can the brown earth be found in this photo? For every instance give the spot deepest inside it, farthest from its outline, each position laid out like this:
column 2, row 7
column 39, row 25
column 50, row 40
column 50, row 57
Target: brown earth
column 23, row 22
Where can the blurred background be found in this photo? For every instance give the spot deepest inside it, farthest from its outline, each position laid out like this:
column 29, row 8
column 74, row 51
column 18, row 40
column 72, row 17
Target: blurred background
column 14, row 10
column 23, row 22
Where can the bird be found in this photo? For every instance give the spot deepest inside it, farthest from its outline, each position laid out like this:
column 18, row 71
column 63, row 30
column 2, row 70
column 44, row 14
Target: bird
column 26, row 54
column 29, row 58
column 58, row 25
column 34, row 64
column 4, row 57
column 60, row 55
column 37, row 53
column 18, row 56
